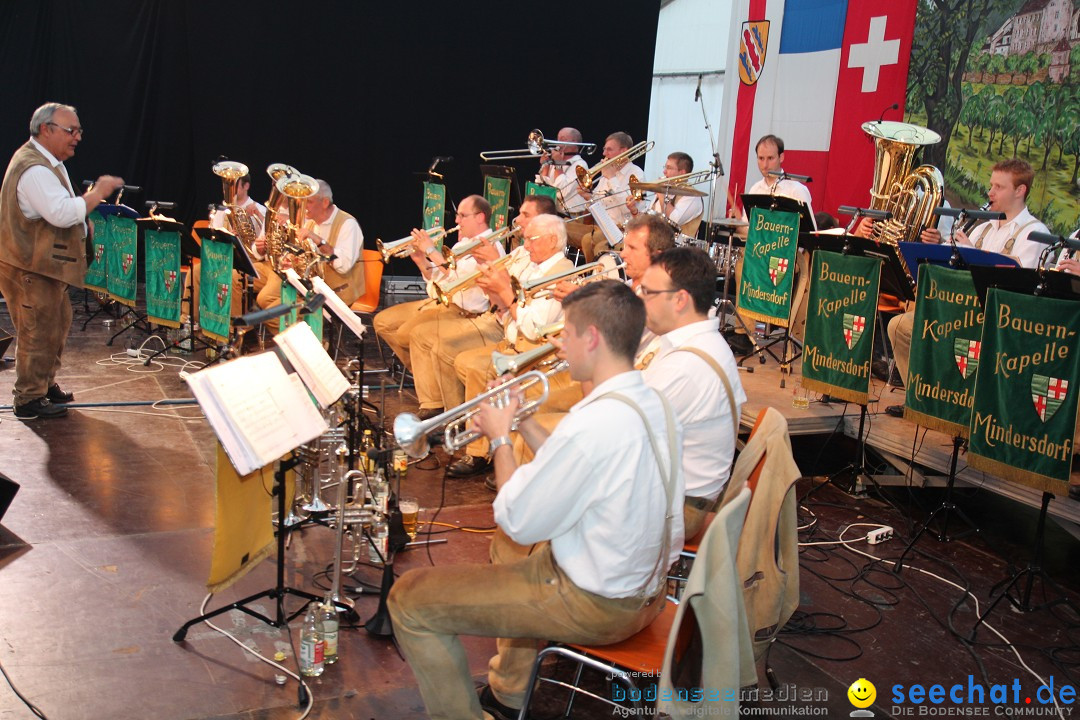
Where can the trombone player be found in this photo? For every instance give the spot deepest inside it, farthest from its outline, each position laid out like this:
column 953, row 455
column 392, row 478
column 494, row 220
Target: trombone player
column 611, row 192
column 684, row 211
column 558, row 169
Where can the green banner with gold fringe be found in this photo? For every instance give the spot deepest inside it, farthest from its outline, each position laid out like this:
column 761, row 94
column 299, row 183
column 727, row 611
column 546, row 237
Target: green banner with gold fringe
column 434, row 207
column 1024, row 416
column 497, row 192
column 215, row 289
column 532, row 188
column 163, row 279
column 122, row 259
column 840, row 319
column 769, row 266
column 97, row 267
column 945, row 350
column 288, row 297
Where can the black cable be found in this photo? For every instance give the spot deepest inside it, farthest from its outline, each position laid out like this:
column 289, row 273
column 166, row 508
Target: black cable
column 33, row 708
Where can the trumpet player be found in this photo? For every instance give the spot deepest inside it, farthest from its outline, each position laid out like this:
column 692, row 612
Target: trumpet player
column 558, row 169
column 682, row 211
column 611, row 192
column 605, row 469
column 540, row 255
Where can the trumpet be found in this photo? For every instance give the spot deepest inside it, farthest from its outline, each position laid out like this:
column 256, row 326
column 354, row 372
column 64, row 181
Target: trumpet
column 403, row 247
column 443, row 295
column 504, row 363
column 525, row 290
column 411, row 433
column 470, row 247
column 586, row 178
column 535, row 146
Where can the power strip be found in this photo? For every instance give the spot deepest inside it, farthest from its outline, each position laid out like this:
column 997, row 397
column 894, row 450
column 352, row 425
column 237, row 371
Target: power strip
column 879, row 535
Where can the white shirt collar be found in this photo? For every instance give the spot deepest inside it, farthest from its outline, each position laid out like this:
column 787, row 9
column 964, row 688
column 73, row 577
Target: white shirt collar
column 48, row 155
column 679, row 336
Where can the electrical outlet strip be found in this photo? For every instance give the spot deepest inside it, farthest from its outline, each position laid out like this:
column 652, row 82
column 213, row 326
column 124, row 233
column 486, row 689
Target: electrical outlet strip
column 879, row 535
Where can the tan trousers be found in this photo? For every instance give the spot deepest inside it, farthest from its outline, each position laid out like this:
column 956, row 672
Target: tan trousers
column 435, row 346
column 576, row 232
column 900, row 328
column 394, row 325
column 530, row 598
column 693, row 519
column 41, row 312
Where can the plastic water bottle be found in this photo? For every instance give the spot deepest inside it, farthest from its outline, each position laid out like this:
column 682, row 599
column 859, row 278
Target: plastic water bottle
column 328, row 614
column 380, row 534
column 312, row 645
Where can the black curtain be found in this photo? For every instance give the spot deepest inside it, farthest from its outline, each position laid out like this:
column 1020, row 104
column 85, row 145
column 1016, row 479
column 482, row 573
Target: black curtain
column 359, row 93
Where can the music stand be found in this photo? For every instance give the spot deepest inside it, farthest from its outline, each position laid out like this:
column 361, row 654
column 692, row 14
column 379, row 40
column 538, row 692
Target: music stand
column 241, row 263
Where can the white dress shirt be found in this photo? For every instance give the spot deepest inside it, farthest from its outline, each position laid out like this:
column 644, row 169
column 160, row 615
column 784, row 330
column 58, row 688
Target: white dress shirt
column 613, row 192
column 1066, row 254
column 42, row 195
column 686, row 208
column 594, row 490
column 471, row 300
column 570, row 200
column 350, row 239
column 219, row 220
column 785, row 188
column 995, row 233
column 698, row 397
column 538, row 312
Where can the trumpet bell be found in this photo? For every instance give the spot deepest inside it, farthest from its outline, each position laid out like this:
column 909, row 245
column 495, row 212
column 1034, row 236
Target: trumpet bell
column 411, row 434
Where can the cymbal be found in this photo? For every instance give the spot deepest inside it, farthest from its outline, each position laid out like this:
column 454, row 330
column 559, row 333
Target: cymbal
column 731, row 223
column 664, row 189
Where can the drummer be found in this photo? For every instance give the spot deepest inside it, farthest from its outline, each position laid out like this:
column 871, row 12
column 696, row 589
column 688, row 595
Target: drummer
column 684, row 211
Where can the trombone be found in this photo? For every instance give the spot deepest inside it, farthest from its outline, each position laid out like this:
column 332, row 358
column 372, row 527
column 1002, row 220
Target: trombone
column 443, row 295
column 586, row 178
column 536, row 146
column 411, row 433
column 403, row 247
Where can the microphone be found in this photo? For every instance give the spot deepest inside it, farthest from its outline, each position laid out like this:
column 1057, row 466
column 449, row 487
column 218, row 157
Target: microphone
column 697, row 93
column 253, row 319
column 894, row 106
column 980, row 214
column 313, row 304
column 443, row 158
column 161, row 204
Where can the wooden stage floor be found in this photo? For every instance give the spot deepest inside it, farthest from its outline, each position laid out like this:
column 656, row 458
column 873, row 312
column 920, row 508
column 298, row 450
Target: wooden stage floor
column 105, row 551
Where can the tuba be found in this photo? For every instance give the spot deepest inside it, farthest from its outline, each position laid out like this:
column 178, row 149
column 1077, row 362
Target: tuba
column 241, row 223
column 297, row 189
column 910, row 195
column 276, row 232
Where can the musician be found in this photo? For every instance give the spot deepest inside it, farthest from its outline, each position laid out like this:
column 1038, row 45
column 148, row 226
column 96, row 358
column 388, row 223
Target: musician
column 611, row 191
column 1010, row 184
column 559, row 170
column 43, row 232
column 542, row 253
column 678, row 289
column 589, row 580
column 337, row 236
column 680, row 210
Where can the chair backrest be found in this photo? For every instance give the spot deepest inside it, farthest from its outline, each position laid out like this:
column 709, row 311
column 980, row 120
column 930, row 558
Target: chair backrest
column 373, row 271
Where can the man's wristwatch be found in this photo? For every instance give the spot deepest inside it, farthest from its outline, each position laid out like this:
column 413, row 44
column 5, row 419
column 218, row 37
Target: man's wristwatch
column 499, row 442
column 323, row 243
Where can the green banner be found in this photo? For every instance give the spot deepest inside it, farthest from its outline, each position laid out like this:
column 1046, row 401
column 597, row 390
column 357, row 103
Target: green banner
column 945, row 349
column 314, row 320
column 532, row 188
column 434, row 207
column 163, row 279
column 497, row 192
column 122, row 259
column 840, row 320
column 1024, row 417
column 769, row 266
column 215, row 289
column 97, row 268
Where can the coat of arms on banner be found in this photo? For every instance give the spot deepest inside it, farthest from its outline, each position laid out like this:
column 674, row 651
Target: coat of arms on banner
column 1047, row 393
column 223, row 290
column 753, row 41
column 966, row 354
column 170, row 280
column 99, row 251
column 128, row 259
column 853, row 329
column 777, row 269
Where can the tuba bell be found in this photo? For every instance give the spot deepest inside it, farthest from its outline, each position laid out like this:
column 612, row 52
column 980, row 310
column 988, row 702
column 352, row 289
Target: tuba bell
column 275, row 231
column 297, row 189
column 241, row 223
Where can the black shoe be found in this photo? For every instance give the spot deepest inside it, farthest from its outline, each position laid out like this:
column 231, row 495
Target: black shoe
column 40, row 408
column 895, row 411
column 498, row 711
column 58, row 396
column 428, row 413
column 468, row 466
column 879, row 369
column 489, row 483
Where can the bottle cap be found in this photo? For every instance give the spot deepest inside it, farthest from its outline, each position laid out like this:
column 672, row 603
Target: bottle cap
column 279, row 656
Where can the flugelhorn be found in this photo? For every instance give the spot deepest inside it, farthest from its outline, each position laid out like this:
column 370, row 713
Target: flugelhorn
column 524, row 290
column 411, row 433
column 535, row 146
column 404, row 246
column 586, row 178
column 473, row 245
column 443, row 294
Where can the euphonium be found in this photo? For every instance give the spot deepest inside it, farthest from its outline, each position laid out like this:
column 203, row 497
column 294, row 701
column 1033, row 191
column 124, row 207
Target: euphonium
column 443, row 294
column 276, row 233
column 297, row 189
column 910, row 195
column 230, row 173
column 586, row 178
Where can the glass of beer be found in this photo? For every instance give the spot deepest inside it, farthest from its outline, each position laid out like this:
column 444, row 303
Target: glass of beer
column 410, row 510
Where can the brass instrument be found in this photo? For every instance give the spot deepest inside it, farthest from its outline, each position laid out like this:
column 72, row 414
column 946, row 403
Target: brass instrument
column 536, row 145
column 241, row 223
column 443, row 295
column 525, row 290
column 404, row 246
column 502, row 236
column 412, row 434
column 586, row 178
column 910, row 195
column 297, row 189
column 274, row 231
column 504, row 363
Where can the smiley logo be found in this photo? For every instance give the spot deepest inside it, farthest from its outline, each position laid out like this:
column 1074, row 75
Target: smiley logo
column 862, row 693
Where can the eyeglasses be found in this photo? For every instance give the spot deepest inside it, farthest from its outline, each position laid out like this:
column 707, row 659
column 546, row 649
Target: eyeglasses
column 72, row 131
column 645, row 292
column 533, row 238
column 465, row 214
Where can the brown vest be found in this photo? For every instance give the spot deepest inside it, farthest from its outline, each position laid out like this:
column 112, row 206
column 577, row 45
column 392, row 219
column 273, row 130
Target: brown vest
column 349, row 286
column 35, row 245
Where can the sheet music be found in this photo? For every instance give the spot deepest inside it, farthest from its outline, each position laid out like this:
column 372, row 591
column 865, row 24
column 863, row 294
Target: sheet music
column 301, row 288
column 314, row 365
column 338, row 307
column 603, row 221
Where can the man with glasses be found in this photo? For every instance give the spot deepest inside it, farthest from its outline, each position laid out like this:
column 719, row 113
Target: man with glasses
column 43, row 233
column 402, row 324
column 695, row 370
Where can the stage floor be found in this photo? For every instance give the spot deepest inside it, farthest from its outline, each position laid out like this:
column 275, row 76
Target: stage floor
column 105, row 551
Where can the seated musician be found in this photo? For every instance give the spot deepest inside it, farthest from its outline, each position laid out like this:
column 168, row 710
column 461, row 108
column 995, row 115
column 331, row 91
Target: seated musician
column 611, row 192
column 434, row 346
column 1010, row 184
column 559, row 170
column 395, row 324
column 678, row 289
column 542, row 253
column 684, row 211
column 613, row 464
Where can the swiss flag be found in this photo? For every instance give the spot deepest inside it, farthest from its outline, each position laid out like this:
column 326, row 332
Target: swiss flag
column 828, row 67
